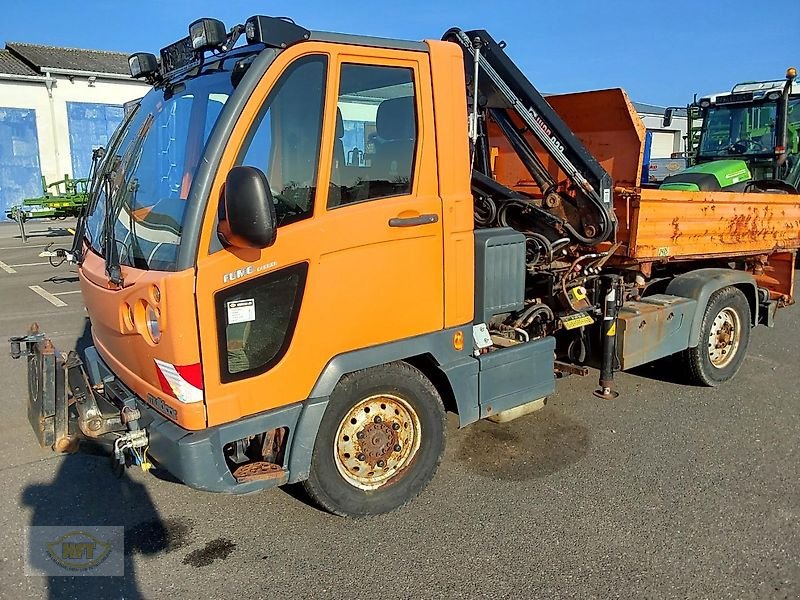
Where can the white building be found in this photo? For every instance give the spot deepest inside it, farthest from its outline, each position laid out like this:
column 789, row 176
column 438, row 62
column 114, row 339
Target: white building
column 56, row 106
column 666, row 139
column 667, row 142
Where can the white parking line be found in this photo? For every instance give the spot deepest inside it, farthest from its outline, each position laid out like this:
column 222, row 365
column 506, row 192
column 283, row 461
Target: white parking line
column 26, row 246
column 65, row 293
column 47, row 296
column 6, row 268
column 28, row 265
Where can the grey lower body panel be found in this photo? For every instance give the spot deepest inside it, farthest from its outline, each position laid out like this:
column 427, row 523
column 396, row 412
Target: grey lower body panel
column 701, row 284
column 517, row 375
column 459, row 366
column 654, row 327
column 463, row 377
column 196, row 457
column 482, row 387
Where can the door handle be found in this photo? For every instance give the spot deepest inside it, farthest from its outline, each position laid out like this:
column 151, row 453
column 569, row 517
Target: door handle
column 413, row 221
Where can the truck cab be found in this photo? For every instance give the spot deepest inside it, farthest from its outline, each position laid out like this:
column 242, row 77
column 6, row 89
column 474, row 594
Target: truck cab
column 346, row 231
column 266, row 221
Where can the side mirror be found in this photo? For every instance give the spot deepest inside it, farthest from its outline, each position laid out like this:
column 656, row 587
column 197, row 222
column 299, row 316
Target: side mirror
column 247, row 216
column 667, row 117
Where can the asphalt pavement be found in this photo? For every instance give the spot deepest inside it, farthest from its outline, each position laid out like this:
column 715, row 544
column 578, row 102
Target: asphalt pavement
column 670, row 491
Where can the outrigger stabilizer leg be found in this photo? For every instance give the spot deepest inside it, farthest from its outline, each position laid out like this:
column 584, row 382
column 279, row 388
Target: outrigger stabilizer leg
column 612, row 302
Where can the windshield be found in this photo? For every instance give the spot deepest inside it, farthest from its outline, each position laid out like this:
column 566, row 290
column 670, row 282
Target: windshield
column 147, row 174
column 737, row 130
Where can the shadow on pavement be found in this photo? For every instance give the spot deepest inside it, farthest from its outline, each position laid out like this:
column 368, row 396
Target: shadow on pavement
column 667, row 370
column 59, row 279
column 85, row 340
column 85, row 492
column 51, row 232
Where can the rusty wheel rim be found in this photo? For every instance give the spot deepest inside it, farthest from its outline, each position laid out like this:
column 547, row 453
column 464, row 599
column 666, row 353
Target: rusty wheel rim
column 724, row 337
column 376, row 441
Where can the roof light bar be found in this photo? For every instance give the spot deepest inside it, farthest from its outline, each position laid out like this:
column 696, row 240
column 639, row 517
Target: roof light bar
column 275, row 32
column 143, row 65
column 207, row 34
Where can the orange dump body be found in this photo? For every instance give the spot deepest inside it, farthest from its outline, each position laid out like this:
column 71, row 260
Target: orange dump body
column 656, row 224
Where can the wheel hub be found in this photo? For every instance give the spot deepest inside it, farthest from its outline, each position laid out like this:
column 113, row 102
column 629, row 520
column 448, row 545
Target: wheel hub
column 376, row 440
column 723, row 339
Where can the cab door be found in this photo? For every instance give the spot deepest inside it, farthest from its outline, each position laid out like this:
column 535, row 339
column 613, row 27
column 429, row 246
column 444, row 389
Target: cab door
column 357, row 261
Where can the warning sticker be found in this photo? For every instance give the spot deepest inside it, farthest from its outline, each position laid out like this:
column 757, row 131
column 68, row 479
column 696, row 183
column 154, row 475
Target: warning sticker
column 241, row 311
column 577, row 320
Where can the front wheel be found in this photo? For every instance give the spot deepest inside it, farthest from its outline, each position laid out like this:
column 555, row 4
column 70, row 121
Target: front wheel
column 379, row 443
column 724, row 338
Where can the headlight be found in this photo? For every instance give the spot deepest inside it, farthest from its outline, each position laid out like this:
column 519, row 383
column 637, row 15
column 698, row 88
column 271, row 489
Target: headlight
column 774, row 95
column 705, row 103
column 153, row 326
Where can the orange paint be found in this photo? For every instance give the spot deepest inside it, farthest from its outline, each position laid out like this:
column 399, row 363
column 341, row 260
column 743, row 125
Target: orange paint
column 367, row 283
column 128, row 350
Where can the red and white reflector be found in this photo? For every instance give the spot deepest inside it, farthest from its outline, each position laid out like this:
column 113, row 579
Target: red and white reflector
column 183, row 382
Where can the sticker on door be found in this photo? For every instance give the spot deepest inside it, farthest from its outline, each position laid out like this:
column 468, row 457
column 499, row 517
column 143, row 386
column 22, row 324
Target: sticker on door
column 241, row 311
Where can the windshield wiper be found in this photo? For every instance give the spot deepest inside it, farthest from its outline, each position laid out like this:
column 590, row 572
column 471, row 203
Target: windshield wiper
column 97, row 181
column 115, row 201
column 80, row 229
column 134, row 249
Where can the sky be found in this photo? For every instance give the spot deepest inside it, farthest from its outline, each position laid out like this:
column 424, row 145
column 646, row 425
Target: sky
column 660, row 52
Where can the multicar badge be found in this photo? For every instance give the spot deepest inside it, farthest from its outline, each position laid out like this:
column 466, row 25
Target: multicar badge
column 161, row 406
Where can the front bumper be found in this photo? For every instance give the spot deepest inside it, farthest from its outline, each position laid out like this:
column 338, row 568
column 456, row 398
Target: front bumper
column 61, row 386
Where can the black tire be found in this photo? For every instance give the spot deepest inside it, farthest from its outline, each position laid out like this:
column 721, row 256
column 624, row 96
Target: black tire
column 329, row 488
column 697, row 362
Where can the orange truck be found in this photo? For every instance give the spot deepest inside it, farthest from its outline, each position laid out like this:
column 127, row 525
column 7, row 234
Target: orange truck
column 302, row 248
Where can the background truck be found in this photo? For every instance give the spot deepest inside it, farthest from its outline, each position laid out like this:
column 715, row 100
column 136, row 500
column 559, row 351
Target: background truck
column 270, row 305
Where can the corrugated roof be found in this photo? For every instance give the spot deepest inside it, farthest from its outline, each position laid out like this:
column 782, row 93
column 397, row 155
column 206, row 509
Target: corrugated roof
column 11, row 65
column 77, row 59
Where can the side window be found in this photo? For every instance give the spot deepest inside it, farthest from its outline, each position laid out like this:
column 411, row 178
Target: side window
column 376, row 134
column 285, row 141
column 256, row 321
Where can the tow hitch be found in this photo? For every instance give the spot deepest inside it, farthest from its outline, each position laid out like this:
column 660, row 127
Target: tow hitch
column 65, row 409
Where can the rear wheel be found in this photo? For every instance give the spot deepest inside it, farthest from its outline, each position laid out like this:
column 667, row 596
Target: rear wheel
column 724, row 338
column 379, row 443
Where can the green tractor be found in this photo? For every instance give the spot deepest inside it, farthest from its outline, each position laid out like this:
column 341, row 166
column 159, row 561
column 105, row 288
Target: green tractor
column 59, row 200
column 749, row 140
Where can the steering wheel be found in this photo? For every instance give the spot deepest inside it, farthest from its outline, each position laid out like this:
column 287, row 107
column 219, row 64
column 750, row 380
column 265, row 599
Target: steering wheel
column 741, row 146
